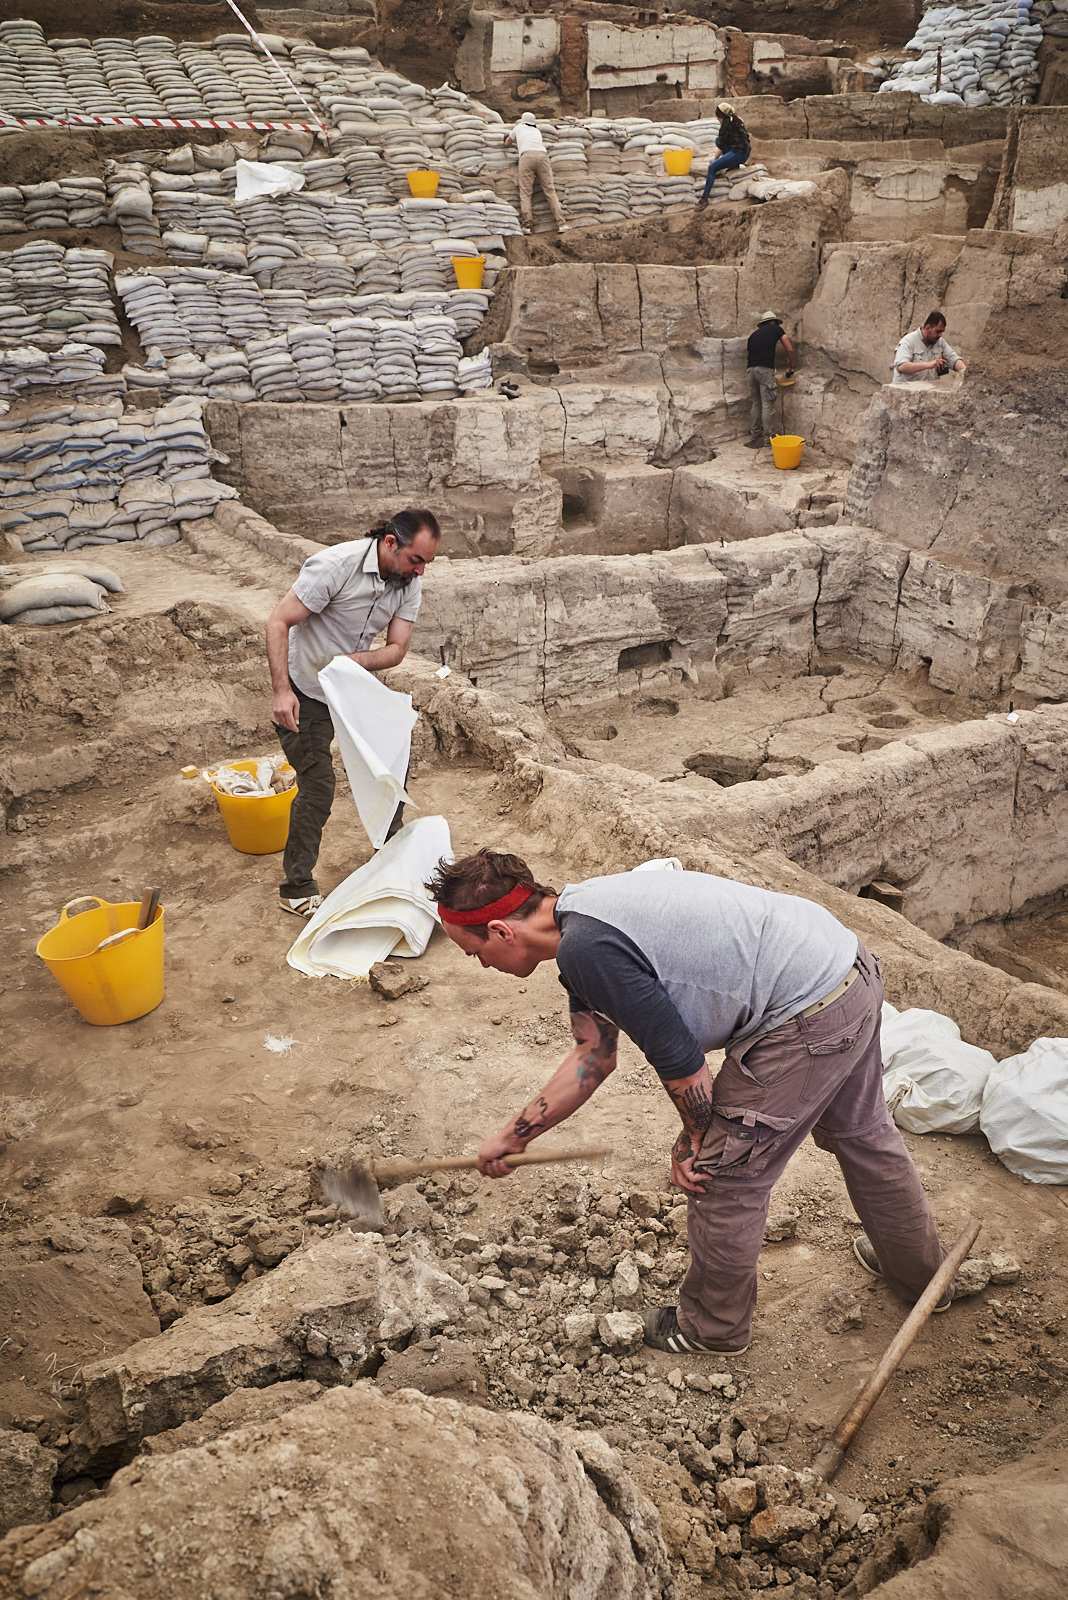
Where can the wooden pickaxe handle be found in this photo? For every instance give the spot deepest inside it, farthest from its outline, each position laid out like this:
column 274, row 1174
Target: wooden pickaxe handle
column 830, row 1457
column 390, row 1170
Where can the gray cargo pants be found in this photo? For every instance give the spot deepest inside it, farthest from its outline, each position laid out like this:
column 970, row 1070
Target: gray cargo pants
column 763, row 391
column 821, row 1075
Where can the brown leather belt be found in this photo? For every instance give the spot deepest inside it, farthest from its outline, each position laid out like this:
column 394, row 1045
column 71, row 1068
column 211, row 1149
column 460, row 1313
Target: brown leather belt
column 836, row 993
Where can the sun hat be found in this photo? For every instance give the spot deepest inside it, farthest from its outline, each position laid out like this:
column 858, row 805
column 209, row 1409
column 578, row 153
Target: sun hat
column 528, row 117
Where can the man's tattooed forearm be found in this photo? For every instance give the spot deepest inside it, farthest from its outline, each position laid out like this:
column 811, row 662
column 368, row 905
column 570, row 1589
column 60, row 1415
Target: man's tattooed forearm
column 682, row 1149
column 694, row 1105
column 528, row 1124
column 600, row 1038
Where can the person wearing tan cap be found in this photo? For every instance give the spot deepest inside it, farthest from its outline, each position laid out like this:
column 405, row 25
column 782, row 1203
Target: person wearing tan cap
column 760, row 360
column 733, row 144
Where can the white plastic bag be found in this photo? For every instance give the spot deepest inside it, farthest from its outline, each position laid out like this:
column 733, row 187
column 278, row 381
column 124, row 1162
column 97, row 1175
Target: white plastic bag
column 932, row 1080
column 1025, row 1112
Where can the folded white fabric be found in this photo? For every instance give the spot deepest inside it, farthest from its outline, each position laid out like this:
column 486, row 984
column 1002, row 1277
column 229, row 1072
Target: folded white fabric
column 381, row 909
column 374, row 726
column 258, row 178
column 268, row 778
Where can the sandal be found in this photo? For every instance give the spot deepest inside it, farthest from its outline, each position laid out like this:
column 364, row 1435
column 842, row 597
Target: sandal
column 305, row 907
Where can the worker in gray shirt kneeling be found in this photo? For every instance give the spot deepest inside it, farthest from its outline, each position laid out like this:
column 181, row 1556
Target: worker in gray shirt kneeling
column 923, row 355
column 343, row 596
column 682, row 963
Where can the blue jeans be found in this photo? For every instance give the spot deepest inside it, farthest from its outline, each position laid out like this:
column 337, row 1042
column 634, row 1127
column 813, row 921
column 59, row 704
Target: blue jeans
column 733, row 158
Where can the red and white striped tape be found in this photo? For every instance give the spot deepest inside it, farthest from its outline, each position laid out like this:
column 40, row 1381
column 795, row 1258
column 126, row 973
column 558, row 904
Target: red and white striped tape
column 277, row 67
column 79, row 119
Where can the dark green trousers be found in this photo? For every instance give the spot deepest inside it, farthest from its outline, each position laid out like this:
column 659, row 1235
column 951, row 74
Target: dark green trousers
column 308, row 753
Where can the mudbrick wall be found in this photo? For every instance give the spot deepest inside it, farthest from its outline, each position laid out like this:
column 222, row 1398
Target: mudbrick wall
column 481, row 462
column 956, row 474
column 553, row 631
column 964, row 820
column 1032, row 196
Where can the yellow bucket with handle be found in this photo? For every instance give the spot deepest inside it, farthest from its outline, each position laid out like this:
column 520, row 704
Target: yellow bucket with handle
column 424, row 185
column 468, row 270
column 677, row 162
column 108, row 968
column 787, row 448
column 257, row 824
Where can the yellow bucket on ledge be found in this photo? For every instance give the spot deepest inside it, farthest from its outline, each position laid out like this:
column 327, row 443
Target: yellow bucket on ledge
column 424, row 185
column 111, row 972
column 787, row 449
column 258, row 824
column 468, row 270
column 677, row 162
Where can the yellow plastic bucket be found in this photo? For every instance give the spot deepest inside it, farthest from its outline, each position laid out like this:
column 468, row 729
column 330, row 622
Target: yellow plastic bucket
column 468, row 270
column 787, row 448
column 424, row 185
column 108, row 969
column 258, row 824
column 677, row 162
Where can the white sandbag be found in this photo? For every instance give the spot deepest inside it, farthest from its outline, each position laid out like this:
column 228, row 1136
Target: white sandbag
column 932, row 1080
column 660, row 864
column 133, row 200
column 50, row 589
column 374, row 726
column 86, row 569
column 40, row 615
column 381, row 909
column 256, row 179
column 1025, row 1112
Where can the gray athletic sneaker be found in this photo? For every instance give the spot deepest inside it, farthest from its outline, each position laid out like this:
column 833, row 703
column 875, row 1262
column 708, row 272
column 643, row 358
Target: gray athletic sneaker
column 662, row 1332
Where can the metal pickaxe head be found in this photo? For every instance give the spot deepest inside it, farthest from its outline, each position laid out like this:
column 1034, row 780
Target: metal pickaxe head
column 354, row 1191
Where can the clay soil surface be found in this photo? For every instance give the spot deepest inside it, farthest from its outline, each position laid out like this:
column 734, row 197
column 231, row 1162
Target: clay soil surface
column 190, row 1103
column 765, row 727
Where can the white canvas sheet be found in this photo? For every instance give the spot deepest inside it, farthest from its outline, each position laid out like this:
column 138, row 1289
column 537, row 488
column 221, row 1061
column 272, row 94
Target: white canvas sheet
column 381, row 909
column 373, row 726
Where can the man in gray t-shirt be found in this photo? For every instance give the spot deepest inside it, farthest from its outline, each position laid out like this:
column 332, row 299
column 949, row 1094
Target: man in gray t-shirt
column 684, row 963
column 343, row 597
column 924, row 355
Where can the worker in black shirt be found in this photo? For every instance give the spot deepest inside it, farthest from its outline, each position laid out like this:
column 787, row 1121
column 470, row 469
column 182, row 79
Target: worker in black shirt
column 760, row 359
column 732, row 142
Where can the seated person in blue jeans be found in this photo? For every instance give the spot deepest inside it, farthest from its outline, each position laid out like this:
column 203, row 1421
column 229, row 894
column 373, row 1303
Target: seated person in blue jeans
column 733, row 143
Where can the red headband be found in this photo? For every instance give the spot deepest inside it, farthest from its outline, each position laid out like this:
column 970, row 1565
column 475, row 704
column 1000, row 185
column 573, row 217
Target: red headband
column 483, row 914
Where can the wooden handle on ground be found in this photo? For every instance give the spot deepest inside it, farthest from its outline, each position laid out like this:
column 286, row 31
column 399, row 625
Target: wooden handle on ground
column 830, row 1457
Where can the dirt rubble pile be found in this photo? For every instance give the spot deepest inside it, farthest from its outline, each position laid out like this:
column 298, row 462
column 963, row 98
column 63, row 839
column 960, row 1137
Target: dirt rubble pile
column 536, row 1310
column 359, row 1492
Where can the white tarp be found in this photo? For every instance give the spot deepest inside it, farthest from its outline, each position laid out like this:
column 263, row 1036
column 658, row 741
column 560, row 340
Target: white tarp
column 381, row 909
column 1025, row 1112
column 932, row 1080
column 374, row 726
column 258, row 178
